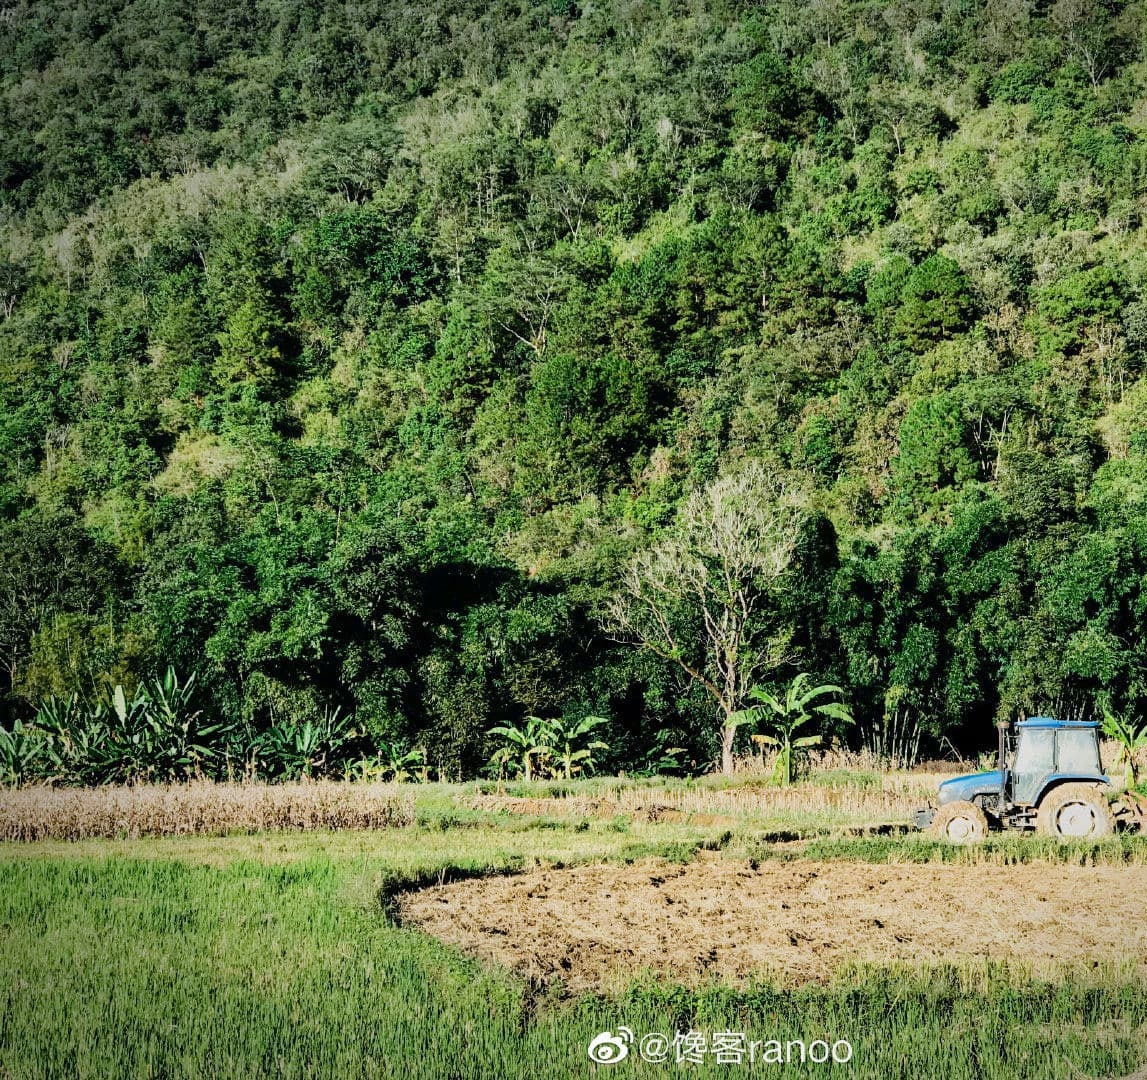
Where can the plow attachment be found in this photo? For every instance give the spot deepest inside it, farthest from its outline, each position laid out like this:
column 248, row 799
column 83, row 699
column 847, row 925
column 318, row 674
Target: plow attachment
column 1131, row 812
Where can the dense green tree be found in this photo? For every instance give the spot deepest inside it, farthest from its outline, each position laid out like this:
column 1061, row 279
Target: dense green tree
column 934, row 460
column 934, row 302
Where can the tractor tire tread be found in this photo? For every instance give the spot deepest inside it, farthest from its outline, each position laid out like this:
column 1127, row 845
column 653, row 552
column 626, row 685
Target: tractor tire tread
column 1056, row 799
column 961, row 808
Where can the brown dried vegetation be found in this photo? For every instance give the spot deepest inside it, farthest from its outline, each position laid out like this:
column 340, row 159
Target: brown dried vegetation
column 199, row 808
column 893, row 798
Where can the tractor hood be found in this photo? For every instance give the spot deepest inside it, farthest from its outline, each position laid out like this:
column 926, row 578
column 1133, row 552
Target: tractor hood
column 968, row 787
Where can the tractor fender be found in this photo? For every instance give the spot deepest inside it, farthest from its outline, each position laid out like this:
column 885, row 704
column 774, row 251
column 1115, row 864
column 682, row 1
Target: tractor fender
column 1056, row 779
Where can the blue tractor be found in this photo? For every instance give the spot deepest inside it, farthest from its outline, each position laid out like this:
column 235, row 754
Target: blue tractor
column 1049, row 778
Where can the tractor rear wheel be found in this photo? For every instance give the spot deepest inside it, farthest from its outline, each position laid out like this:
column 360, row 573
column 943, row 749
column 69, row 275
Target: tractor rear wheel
column 1075, row 812
column 960, row 823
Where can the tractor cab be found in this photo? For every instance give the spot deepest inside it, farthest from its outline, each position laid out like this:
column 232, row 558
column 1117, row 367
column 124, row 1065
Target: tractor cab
column 1045, row 752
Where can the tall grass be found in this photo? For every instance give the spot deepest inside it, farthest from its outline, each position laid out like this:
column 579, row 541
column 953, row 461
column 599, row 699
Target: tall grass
column 1000, row 850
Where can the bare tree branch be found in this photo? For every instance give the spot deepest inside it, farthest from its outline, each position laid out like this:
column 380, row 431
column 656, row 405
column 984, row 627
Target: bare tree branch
column 695, row 598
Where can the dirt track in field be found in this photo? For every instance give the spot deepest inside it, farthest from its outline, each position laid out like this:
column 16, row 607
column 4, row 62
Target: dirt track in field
column 597, row 926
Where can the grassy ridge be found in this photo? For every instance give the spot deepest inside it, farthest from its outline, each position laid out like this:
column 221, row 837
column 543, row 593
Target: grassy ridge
column 272, row 956
column 1125, row 850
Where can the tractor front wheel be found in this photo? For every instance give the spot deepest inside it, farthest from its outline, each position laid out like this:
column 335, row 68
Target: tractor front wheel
column 960, row 823
column 1075, row 812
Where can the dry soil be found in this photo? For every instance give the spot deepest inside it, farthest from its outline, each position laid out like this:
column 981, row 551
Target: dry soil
column 794, row 922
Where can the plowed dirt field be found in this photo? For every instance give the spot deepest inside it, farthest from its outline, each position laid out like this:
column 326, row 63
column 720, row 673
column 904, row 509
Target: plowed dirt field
column 793, row 922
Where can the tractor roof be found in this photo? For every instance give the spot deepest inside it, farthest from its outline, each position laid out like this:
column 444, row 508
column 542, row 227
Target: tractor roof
column 1048, row 722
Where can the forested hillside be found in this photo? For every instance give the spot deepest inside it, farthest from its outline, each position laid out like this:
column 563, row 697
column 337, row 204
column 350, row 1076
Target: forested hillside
column 349, row 352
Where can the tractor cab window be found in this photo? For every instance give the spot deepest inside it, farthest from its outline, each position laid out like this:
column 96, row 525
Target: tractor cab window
column 1034, row 762
column 1078, row 753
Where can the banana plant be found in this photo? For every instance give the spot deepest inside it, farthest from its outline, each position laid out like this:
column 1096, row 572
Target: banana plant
column 661, row 758
column 527, row 747
column 364, row 770
column 150, row 734
column 785, row 715
column 400, row 761
column 424, row 766
column 23, row 753
column 1131, row 737
column 66, row 727
column 297, row 749
column 564, row 737
column 153, row 734
column 182, row 744
column 289, row 749
column 133, row 742
column 172, row 699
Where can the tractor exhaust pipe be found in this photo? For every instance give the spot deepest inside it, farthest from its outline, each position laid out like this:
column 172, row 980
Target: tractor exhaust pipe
column 1002, row 726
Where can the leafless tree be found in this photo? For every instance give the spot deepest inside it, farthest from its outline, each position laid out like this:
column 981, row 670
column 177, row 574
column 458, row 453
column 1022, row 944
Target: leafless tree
column 1086, row 33
column 566, row 197
column 699, row 597
column 527, row 291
